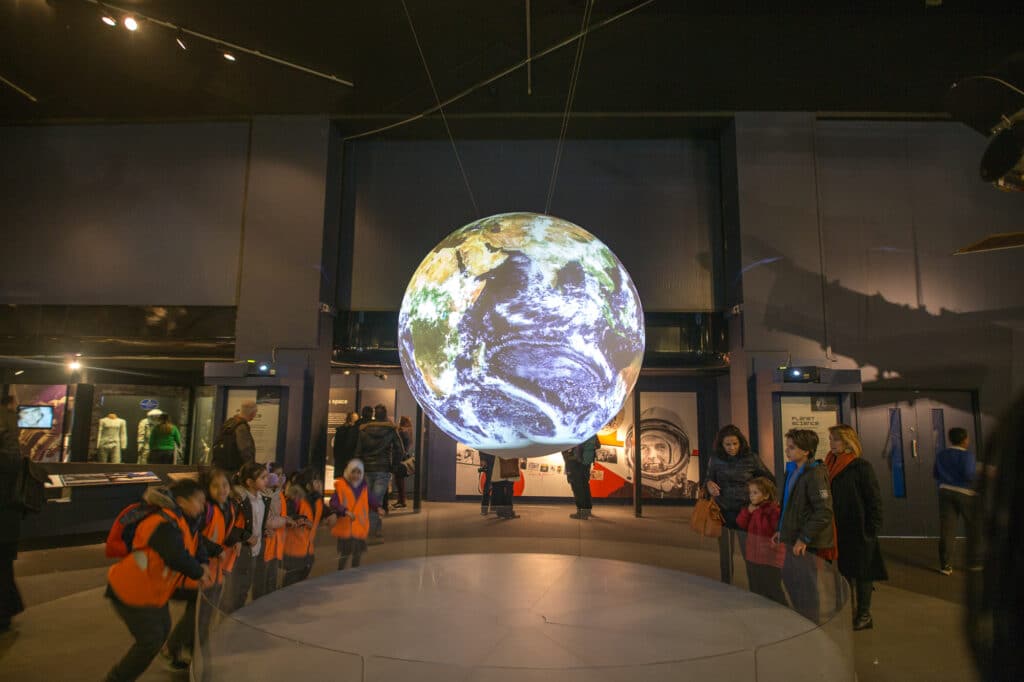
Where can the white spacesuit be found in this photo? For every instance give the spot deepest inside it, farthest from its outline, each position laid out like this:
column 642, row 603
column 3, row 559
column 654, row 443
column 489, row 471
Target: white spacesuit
column 111, row 438
column 146, row 425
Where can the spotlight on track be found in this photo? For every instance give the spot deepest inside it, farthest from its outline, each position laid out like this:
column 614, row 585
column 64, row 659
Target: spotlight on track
column 131, row 24
column 181, row 42
column 230, row 57
column 108, row 20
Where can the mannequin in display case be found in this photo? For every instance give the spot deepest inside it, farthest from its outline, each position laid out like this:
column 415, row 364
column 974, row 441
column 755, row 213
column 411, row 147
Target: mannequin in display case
column 111, row 438
column 145, row 428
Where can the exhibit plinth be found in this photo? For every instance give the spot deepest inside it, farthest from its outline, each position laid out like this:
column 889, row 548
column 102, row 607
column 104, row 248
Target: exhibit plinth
column 521, row 617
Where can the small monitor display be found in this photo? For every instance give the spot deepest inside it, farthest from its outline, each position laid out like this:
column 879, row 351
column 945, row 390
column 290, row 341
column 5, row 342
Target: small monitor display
column 35, row 416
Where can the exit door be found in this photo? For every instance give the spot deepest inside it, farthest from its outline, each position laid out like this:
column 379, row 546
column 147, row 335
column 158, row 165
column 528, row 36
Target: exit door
column 901, row 432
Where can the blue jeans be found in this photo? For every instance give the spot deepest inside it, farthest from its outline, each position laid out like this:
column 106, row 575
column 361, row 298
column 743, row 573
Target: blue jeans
column 378, row 482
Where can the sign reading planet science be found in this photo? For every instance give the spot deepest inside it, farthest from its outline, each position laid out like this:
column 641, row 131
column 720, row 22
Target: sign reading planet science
column 521, row 335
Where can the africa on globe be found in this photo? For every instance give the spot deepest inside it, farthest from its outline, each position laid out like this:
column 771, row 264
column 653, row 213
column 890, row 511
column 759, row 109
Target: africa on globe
column 521, row 334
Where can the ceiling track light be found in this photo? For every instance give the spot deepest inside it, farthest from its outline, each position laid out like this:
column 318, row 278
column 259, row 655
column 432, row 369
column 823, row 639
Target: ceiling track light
column 111, row 10
column 181, row 42
column 108, row 20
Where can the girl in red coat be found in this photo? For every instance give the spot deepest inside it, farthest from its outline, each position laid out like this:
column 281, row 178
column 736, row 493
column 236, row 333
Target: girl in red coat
column 760, row 519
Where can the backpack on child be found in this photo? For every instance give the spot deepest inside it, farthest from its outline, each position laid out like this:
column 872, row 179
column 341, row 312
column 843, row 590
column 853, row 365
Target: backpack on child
column 122, row 532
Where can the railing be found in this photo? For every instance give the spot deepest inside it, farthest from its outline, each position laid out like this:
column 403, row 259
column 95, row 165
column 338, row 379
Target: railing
column 455, row 596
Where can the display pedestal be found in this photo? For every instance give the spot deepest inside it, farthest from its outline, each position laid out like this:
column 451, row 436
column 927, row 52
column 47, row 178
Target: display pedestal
column 521, row 617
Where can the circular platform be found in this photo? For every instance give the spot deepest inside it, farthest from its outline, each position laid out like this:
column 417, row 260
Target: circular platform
column 515, row 616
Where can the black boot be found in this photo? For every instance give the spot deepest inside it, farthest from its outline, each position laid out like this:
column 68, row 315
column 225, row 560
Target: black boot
column 863, row 621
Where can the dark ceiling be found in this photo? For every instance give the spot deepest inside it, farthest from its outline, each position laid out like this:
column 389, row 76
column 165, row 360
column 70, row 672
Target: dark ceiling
column 669, row 58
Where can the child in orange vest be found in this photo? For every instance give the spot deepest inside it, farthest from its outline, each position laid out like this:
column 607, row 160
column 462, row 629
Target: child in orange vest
column 305, row 509
column 274, row 530
column 350, row 513
column 221, row 538
column 164, row 550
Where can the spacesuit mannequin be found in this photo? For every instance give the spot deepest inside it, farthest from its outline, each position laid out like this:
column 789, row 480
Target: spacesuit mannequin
column 664, row 454
column 146, row 425
column 111, row 437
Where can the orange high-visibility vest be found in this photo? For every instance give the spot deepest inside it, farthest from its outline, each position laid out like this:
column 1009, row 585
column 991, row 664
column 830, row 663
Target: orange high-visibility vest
column 318, row 515
column 142, row 578
column 359, row 527
column 274, row 546
column 299, row 542
column 216, row 529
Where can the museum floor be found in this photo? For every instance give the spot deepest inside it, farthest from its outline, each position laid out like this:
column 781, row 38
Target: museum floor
column 70, row 632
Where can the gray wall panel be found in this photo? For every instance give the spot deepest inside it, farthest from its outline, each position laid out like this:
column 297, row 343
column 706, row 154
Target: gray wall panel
column 121, row 214
column 895, row 200
column 654, row 202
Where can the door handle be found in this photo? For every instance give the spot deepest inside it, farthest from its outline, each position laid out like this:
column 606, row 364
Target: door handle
column 913, row 448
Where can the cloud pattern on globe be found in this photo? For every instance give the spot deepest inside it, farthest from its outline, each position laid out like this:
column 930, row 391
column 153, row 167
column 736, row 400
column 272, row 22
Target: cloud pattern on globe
column 521, row 334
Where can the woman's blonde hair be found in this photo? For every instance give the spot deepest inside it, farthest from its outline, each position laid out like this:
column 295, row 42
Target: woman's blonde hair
column 845, row 433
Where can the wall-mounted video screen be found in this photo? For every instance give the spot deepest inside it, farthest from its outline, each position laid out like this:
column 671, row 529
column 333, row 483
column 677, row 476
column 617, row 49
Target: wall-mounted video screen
column 35, row 416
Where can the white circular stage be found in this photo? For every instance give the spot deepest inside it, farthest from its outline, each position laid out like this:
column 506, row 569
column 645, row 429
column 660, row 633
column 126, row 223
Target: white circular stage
column 520, row 617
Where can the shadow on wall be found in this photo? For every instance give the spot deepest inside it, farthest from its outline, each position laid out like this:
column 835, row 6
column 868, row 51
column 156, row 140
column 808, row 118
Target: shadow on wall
column 910, row 347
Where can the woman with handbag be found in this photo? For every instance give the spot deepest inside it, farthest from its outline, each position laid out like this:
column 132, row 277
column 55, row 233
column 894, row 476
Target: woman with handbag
column 731, row 467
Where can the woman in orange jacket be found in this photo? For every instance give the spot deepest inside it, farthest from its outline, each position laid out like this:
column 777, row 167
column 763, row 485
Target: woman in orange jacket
column 165, row 549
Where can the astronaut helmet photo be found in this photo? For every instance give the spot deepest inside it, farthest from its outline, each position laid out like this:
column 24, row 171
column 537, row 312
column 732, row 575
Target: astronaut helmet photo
column 664, row 451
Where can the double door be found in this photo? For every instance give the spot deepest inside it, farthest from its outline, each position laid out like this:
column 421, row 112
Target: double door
column 901, row 432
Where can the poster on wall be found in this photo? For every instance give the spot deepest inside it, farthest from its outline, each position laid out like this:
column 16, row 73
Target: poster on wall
column 814, row 412
column 264, row 426
column 669, row 457
column 668, row 439
column 41, row 411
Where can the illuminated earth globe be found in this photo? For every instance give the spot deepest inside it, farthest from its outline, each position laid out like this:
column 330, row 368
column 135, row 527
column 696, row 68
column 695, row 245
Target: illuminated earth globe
column 521, row 335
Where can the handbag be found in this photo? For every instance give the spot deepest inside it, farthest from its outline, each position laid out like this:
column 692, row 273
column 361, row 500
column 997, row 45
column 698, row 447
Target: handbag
column 707, row 518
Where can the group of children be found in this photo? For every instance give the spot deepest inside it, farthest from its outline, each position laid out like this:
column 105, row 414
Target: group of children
column 229, row 538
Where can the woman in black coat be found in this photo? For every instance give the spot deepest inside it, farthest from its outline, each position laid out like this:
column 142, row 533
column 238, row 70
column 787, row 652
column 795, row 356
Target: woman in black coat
column 730, row 469
column 10, row 515
column 857, row 503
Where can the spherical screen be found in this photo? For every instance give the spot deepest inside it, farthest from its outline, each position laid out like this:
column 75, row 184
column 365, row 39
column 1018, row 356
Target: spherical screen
column 521, row 334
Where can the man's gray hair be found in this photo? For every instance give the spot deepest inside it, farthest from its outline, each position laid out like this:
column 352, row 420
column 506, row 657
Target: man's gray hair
column 247, row 407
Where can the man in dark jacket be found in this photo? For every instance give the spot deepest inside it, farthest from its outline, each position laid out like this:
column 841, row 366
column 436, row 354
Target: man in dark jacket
column 578, row 461
column 346, row 437
column 10, row 516
column 377, row 446
column 806, row 521
column 235, row 445
column 954, row 471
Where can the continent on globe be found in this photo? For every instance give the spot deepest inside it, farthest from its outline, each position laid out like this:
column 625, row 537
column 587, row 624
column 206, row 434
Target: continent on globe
column 521, row 334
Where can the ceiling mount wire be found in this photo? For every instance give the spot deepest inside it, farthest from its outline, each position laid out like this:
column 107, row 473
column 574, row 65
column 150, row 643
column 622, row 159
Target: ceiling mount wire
column 181, row 30
column 440, row 107
column 501, row 74
column 570, row 96
column 529, row 50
